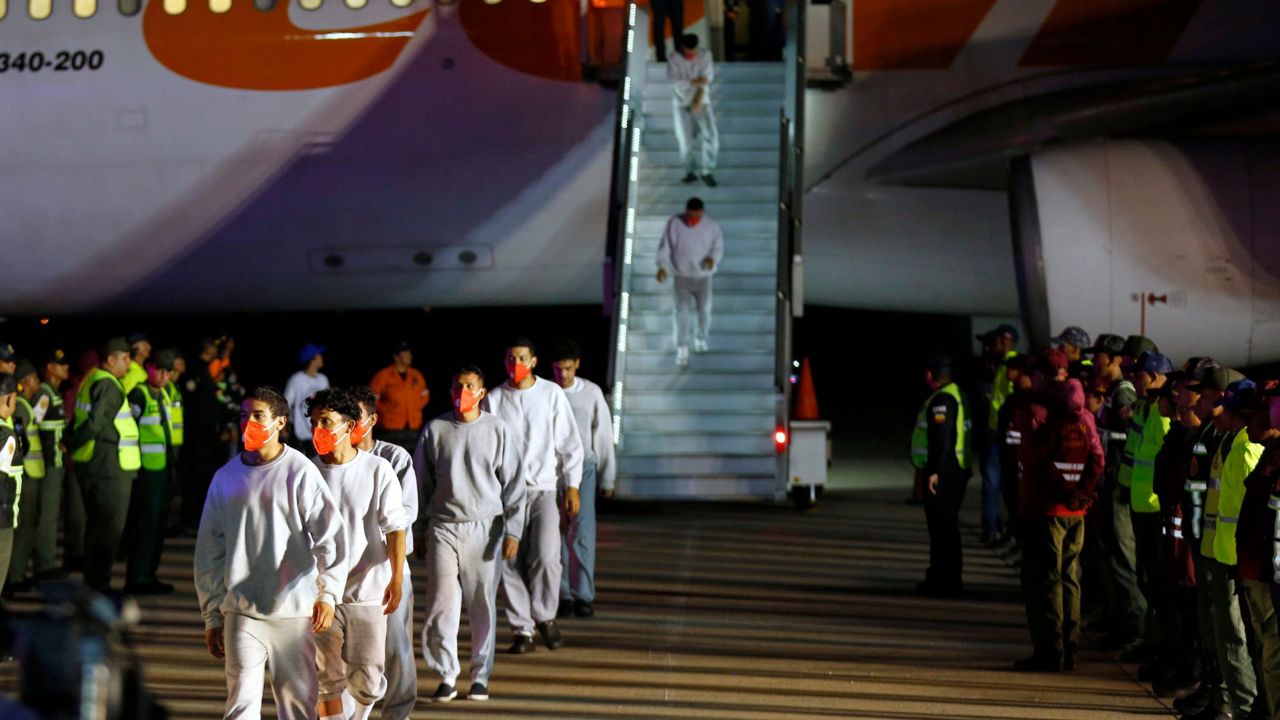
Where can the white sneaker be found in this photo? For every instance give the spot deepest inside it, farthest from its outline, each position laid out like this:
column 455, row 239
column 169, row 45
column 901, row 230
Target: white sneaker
column 700, row 346
column 682, row 356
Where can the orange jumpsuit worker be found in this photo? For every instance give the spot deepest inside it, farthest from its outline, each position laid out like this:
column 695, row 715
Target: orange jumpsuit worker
column 402, row 394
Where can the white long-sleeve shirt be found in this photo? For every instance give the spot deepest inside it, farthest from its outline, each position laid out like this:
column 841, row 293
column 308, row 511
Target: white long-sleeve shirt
column 367, row 493
column 471, row 472
column 681, row 70
column 546, row 433
column 683, row 247
column 271, row 541
column 595, row 427
column 402, row 462
column 298, row 390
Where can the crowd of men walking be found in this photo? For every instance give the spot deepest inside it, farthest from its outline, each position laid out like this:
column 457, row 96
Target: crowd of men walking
column 304, row 537
column 1142, row 495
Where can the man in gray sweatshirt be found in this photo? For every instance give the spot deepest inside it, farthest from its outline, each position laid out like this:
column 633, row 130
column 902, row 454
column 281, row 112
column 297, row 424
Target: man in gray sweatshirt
column 691, row 248
column 469, row 468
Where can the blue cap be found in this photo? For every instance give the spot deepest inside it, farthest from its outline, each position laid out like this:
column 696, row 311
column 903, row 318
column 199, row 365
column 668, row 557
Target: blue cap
column 1154, row 362
column 6, row 352
column 1239, row 394
column 309, row 351
column 1073, row 336
column 1001, row 329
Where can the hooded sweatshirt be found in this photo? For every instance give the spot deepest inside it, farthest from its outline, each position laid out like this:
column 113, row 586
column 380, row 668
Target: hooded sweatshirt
column 1073, row 459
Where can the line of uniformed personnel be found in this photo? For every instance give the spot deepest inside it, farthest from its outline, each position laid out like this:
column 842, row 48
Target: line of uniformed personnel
column 1148, row 494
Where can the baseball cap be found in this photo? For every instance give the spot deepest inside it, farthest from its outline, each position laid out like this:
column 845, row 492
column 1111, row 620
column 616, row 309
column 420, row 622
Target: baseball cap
column 164, row 359
column 1051, row 361
column 113, row 345
column 1072, row 335
column 1154, row 362
column 309, row 351
column 136, row 337
column 938, row 363
column 56, row 356
column 1107, row 343
column 24, row 368
column 1135, row 345
column 6, row 351
column 1193, row 370
column 1240, row 395
column 997, row 331
column 1219, row 378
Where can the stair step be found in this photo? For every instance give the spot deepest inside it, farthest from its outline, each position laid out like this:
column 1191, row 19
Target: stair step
column 699, row 401
column 655, row 92
column 644, row 283
column 732, row 264
column 729, row 157
column 732, row 122
column 679, row 192
column 720, row 340
column 681, row 422
column 651, row 176
column 645, row 361
column 764, row 107
column 699, row 444
column 660, row 300
column 657, row 71
column 704, row 488
column 695, row 465
column 644, row 251
column 760, row 210
column 660, row 321
column 737, row 141
column 701, row 380
column 654, row 224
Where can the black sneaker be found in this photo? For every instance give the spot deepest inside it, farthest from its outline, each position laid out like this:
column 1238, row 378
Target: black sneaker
column 444, row 693
column 565, row 610
column 478, row 692
column 151, row 588
column 551, row 636
column 710, row 180
column 1197, row 701
column 1038, row 664
column 583, row 609
column 689, row 179
column 522, row 645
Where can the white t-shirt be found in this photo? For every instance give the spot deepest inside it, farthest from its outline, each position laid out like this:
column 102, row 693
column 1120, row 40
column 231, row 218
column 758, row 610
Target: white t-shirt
column 271, row 541
column 298, row 391
column 367, row 493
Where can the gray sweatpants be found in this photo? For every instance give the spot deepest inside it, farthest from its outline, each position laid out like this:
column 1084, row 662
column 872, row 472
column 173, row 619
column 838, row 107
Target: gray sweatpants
column 578, row 554
column 401, row 663
column 693, row 295
column 531, row 580
column 289, row 647
column 697, row 137
column 463, row 565
column 351, row 654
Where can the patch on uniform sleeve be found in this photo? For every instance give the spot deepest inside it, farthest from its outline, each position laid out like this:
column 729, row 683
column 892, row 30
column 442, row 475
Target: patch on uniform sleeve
column 939, row 414
column 1274, row 502
column 41, row 408
column 6, row 453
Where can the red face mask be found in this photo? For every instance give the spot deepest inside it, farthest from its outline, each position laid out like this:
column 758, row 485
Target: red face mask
column 518, row 372
column 326, row 440
column 255, row 435
column 693, row 220
column 360, row 432
column 465, row 401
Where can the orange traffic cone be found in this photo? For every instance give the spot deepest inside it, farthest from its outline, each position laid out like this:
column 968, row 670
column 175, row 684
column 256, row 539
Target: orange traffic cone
column 806, row 400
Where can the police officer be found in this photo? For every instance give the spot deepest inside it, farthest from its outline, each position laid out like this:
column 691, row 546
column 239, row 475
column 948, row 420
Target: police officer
column 104, row 444
column 998, row 348
column 940, row 443
column 10, row 470
column 38, row 512
column 1147, row 430
column 1258, row 545
column 149, row 503
column 55, row 368
column 139, row 352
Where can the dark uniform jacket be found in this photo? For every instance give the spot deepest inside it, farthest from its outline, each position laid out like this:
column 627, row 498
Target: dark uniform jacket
column 1172, row 467
column 1257, row 534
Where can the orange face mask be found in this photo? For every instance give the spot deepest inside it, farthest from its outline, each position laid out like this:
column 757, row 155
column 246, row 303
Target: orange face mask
column 361, row 431
column 255, row 435
column 326, row 440
column 465, row 401
column 518, row 372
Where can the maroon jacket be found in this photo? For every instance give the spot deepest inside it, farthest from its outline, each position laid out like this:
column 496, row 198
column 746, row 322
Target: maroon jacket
column 1072, row 459
column 1257, row 531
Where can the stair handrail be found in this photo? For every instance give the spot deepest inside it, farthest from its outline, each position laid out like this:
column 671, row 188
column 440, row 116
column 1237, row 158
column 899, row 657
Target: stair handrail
column 622, row 200
column 790, row 214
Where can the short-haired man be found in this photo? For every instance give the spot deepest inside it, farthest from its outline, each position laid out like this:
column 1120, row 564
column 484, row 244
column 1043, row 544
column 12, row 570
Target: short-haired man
column 149, row 505
column 401, row 668
column 351, row 654
column 104, row 444
column 10, row 471
column 402, row 394
column 269, row 565
column 691, row 72
column 39, row 515
column 55, row 368
column 940, row 450
column 301, row 386
column 139, row 352
column 691, row 248
column 595, row 427
column 470, row 472
column 542, row 427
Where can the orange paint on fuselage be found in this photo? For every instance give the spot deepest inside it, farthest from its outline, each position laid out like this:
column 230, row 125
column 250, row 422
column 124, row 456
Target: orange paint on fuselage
column 539, row 39
column 249, row 49
column 913, row 34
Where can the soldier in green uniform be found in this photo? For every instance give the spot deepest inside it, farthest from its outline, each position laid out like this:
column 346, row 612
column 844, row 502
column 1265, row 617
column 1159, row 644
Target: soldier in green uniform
column 36, row 537
column 149, row 506
column 104, row 444
column 54, row 369
column 10, row 470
